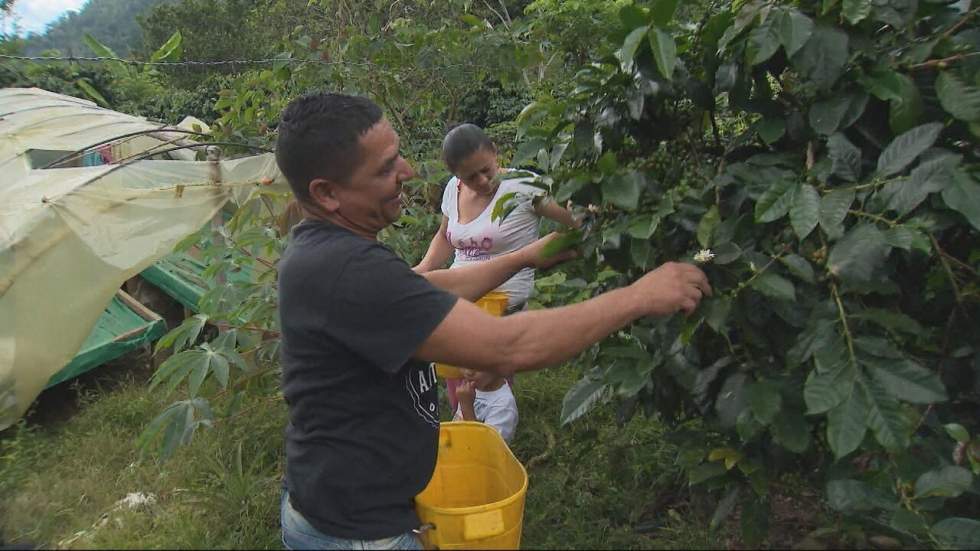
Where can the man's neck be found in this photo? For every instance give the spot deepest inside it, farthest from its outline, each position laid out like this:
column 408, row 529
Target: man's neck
column 337, row 219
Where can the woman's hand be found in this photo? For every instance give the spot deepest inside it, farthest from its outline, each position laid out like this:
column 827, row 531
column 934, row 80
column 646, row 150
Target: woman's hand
column 534, row 253
column 466, row 395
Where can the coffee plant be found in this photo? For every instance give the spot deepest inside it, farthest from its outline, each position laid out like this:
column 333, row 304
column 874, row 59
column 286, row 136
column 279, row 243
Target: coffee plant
column 825, row 153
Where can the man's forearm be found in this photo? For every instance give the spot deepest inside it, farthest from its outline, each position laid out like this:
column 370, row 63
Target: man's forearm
column 475, row 280
column 541, row 338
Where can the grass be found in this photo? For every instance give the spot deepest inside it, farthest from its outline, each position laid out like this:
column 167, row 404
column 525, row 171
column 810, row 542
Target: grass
column 596, row 484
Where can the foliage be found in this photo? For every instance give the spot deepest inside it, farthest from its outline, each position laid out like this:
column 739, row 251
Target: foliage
column 111, row 21
column 839, row 194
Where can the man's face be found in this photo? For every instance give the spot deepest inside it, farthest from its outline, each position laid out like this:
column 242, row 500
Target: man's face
column 371, row 200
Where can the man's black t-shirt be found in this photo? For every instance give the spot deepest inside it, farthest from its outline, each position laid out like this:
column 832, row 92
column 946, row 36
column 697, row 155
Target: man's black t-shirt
column 363, row 418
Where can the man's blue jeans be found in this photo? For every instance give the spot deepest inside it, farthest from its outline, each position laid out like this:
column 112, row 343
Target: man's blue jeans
column 297, row 533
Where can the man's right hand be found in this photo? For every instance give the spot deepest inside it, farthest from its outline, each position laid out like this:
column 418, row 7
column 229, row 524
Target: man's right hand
column 671, row 287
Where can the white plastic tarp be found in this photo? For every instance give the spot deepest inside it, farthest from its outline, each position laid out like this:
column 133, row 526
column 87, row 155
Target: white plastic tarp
column 69, row 237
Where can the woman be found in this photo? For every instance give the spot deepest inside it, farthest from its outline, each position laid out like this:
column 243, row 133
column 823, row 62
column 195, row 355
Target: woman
column 468, row 233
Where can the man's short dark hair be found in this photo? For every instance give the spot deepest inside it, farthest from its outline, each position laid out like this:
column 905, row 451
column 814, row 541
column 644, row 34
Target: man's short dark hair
column 319, row 137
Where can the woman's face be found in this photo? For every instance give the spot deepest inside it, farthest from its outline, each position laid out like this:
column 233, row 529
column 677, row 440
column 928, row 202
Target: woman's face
column 478, row 172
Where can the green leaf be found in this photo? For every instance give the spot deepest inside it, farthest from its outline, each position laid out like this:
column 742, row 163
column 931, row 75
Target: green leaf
column 909, row 381
column 893, row 321
column 845, row 158
column 731, row 399
column 771, row 129
column 930, row 176
column 958, row 532
column 818, row 333
column 906, row 238
column 569, row 188
column 833, row 210
column 91, row 92
column 705, row 471
column 170, row 50
column 664, row 52
column 957, row 432
column 794, row 29
column 471, row 20
column 507, row 203
column 799, row 267
column 724, row 509
column 608, row 163
column 623, row 190
column 663, row 11
column 581, row 398
column 853, row 495
column 907, row 147
column 726, row 253
column 175, row 426
column 846, row 424
column 885, row 418
column 564, row 241
column 774, row 286
column 762, row 42
column 824, row 391
column 707, row 226
column 716, row 310
column 858, row 254
column 856, row 10
column 641, row 252
column 963, row 196
column 764, row 400
column 957, row 98
column 631, row 44
column 183, row 335
column 884, row 85
column 99, row 48
column 837, row 112
column 791, row 431
column 805, row 212
column 643, row 226
column 632, row 16
column 175, row 368
column 775, row 201
column 747, row 426
column 877, row 347
column 949, row 481
column 821, row 60
column 905, row 112
column 528, row 150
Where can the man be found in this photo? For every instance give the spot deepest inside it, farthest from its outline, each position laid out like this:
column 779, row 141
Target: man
column 360, row 330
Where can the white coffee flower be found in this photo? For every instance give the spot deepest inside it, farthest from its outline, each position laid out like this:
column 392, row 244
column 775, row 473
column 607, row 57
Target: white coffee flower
column 703, row 256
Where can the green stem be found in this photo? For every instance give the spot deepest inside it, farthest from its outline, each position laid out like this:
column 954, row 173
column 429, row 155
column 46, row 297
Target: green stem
column 948, row 269
column 875, row 217
column 843, row 320
column 748, row 281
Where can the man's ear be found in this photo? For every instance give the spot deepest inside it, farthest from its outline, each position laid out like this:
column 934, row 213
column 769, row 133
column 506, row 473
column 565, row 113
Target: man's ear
column 323, row 193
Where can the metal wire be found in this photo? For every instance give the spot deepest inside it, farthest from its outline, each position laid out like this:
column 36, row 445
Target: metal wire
column 288, row 60
column 177, row 63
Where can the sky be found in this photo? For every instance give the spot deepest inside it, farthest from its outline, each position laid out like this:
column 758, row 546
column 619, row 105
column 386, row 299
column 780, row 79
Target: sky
column 34, row 15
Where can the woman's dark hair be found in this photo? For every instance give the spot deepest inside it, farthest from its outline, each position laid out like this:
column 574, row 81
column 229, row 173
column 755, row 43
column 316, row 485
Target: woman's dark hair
column 319, row 136
column 463, row 141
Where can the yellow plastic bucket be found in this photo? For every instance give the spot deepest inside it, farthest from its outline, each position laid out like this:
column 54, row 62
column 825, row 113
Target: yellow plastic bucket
column 475, row 499
column 494, row 302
